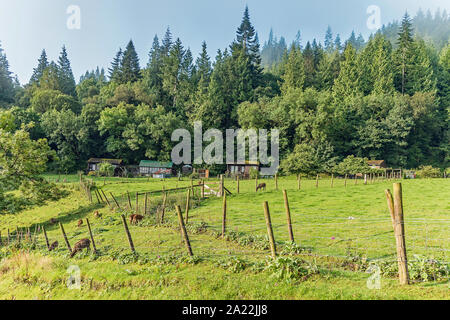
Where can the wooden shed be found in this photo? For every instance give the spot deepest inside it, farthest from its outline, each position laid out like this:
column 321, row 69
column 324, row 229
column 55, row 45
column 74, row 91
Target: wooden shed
column 242, row 169
column 94, row 165
column 377, row 164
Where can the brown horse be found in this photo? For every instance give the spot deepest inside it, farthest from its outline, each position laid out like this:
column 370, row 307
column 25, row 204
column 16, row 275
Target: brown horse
column 262, row 186
column 80, row 245
column 135, row 218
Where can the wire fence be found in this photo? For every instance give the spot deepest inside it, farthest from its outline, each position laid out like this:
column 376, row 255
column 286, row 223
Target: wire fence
column 335, row 240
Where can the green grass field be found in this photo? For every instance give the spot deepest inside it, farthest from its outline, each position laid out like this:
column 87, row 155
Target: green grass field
column 333, row 223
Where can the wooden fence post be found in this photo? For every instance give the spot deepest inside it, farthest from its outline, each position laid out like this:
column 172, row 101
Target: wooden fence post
column 317, row 181
column 99, row 194
column 288, row 214
column 345, row 182
column 127, row 231
column 224, row 215
column 256, row 184
column 137, row 202
column 117, row 204
column 145, row 204
column 96, row 195
column 188, row 203
column 299, row 181
column 276, row 181
column 106, row 198
column 91, row 235
column 1, row 242
column 273, row 248
column 203, row 189
column 9, row 238
column 129, row 201
column 45, row 235
column 395, row 205
column 221, row 185
column 65, row 237
column 163, row 212
column 237, row 181
column 183, row 231
column 332, row 180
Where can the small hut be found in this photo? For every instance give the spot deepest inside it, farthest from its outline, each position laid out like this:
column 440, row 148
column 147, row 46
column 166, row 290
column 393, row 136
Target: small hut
column 156, row 169
column 94, row 165
column 242, row 169
column 377, row 164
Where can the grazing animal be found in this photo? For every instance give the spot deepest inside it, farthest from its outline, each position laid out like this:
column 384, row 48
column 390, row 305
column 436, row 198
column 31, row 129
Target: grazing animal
column 262, row 186
column 80, row 245
column 135, row 218
column 53, row 221
column 97, row 214
column 53, row 246
column 80, row 223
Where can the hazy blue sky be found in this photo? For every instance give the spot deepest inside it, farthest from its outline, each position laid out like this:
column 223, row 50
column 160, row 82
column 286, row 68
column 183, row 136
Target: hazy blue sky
column 28, row 26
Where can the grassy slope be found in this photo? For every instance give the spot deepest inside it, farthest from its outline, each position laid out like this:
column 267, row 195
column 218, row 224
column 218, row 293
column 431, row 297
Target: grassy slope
column 41, row 275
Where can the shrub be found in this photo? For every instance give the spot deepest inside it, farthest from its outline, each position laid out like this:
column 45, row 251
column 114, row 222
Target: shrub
column 106, row 169
column 428, row 172
column 288, row 268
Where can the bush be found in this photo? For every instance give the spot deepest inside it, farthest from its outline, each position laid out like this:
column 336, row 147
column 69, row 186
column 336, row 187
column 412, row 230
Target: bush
column 106, row 169
column 254, row 173
column 428, row 172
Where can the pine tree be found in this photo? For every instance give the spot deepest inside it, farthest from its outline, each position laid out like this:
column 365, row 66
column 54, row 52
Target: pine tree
column 346, row 85
column 247, row 40
column 39, row 70
column 294, row 70
column 114, row 70
column 309, row 60
column 166, row 43
column 6, row 81
column 329, row 46
column 338, row 43
column 66, row 78
column 203, row 67
column 403, row 54
column 375, row 67
column 130, row 70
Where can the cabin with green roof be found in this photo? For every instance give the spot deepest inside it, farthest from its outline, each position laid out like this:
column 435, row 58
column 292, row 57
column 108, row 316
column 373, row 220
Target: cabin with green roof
column 156, row 169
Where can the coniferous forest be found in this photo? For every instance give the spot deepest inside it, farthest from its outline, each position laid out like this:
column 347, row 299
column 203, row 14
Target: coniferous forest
column 386, row 97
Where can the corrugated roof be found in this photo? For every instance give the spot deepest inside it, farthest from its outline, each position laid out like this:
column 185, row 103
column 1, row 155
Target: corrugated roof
column 156, row 164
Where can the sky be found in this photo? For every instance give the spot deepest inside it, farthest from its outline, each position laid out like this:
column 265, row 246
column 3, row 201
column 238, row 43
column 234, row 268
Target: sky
column 28, row 26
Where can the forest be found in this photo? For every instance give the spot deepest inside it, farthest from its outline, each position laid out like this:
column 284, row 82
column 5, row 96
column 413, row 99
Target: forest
column 386, row 97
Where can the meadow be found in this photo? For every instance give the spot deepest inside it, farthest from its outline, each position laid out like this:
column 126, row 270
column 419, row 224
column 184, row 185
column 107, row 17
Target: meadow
column 338, row 232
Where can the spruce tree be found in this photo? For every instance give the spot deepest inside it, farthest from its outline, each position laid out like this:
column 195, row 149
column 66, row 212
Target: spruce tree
column 403, row 54
column 346, row 85
column 39, row 70
column 66, row 78
column 6, row 81
column 114, row 70
column 294, row 70
column 329, row 46
column 130, row 70
column 338, row 43
column 166, row 43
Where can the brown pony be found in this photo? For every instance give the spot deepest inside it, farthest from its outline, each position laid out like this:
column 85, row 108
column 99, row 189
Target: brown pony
column 135, row 218
column 262, row 186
